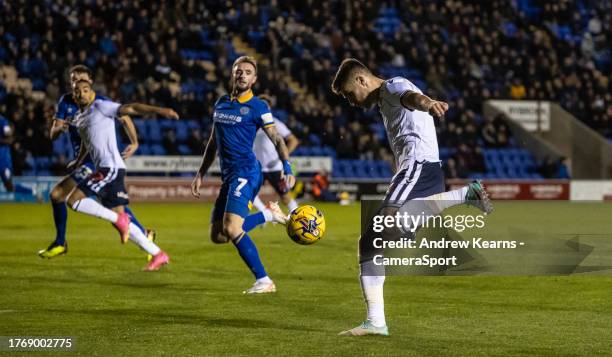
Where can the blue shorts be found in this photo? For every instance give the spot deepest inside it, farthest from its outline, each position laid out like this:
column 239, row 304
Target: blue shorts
column 108, row 184
column 419, row 180
column 237, row 190
column 82, row 172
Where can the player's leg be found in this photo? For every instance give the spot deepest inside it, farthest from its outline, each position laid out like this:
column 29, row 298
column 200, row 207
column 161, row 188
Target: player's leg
column 258, row 204
column 58, row 196
column 7, row 178
column 474, row 194
column 289, row 201
column 427, row 184
column 217, row 234
column 6, row 172
column 372, row 280
column 133, row 219
column 275, row 179
column 232, row 227
column 372, row 276
column 270, row 212
column 240, row 191
column 138, row 237
column 149, row 233
column 80, row 200
column 216, row 217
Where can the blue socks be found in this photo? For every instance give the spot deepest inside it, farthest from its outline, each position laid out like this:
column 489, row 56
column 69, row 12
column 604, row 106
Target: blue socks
column 250, row 256
column 253, row 220
column 60, row 217
column 134, row 220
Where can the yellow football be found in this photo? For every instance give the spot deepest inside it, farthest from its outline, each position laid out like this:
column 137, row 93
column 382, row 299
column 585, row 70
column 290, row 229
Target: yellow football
column 306, row 225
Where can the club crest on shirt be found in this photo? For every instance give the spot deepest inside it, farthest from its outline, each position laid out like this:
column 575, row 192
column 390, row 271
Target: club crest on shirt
column 244, row 110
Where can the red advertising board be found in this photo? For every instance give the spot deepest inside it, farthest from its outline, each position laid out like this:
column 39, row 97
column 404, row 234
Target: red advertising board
column 522, row 189
column 141, row 189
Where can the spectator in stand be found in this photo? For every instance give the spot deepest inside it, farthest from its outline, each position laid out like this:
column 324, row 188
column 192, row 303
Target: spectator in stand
column 320, row 188
column 451, row 171
column 177, row 53
column 195, row 142
column 563, row 171
column 170, row 144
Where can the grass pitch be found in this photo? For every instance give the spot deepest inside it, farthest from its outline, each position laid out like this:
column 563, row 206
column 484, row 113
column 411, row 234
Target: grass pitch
column 195, row 306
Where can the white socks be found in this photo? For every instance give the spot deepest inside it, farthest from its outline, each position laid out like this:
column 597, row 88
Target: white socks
column 261, row 207
column 292, row 205
column 93, row 208
column 372, row 287
column 258, row 203
column 141, row 240
column 268, row 215
column 266, row 279
column 444, row 200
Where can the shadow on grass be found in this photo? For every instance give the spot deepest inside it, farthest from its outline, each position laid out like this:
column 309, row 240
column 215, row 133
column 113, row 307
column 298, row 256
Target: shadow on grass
column 151, row 317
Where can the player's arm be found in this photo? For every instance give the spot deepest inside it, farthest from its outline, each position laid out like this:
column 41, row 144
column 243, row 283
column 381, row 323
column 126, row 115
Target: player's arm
column 80, row 158
column 417, row 101
column 58, row 126
column 283, row 152
column 207, row 159
column 292, row 143
column 139, row 109
column 130, row 130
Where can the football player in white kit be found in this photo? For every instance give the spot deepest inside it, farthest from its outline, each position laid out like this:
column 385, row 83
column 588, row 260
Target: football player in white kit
column 271, row 164
column 408, row 116
column 95, row 121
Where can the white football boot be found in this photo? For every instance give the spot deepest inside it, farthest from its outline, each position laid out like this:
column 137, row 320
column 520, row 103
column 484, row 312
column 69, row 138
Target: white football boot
column 261, row 287
column 277, row 213
column 365, row 329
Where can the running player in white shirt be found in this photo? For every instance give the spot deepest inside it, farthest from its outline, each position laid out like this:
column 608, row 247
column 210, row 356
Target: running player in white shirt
column 95, row 121
column 271, row 164
column 408, row 116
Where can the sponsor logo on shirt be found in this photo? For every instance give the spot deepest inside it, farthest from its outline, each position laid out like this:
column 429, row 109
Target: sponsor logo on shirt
column 227, row 118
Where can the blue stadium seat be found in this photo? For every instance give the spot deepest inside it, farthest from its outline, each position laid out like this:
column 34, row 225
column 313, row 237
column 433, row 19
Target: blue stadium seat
column 193, row 124
column 184, row 149
column 157, row 149
column 141, row 127
column 154, row 133
column 143, row 149
column 182, row 130
column 299, row 151
column 316, row 151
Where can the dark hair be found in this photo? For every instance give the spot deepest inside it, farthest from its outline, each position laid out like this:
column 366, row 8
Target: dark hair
column 81, row 68
column 247, row 59
column 347, row 67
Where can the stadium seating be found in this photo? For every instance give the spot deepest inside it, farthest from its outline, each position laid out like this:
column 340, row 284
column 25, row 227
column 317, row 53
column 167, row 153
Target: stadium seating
column 208, row 47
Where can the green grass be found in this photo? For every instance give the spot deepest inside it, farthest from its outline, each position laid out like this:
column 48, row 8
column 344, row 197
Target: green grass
column 194, row 306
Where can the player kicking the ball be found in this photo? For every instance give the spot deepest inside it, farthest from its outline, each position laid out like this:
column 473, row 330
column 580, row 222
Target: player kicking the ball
column 408, row 118
column 236, row 119
column 95, row 120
